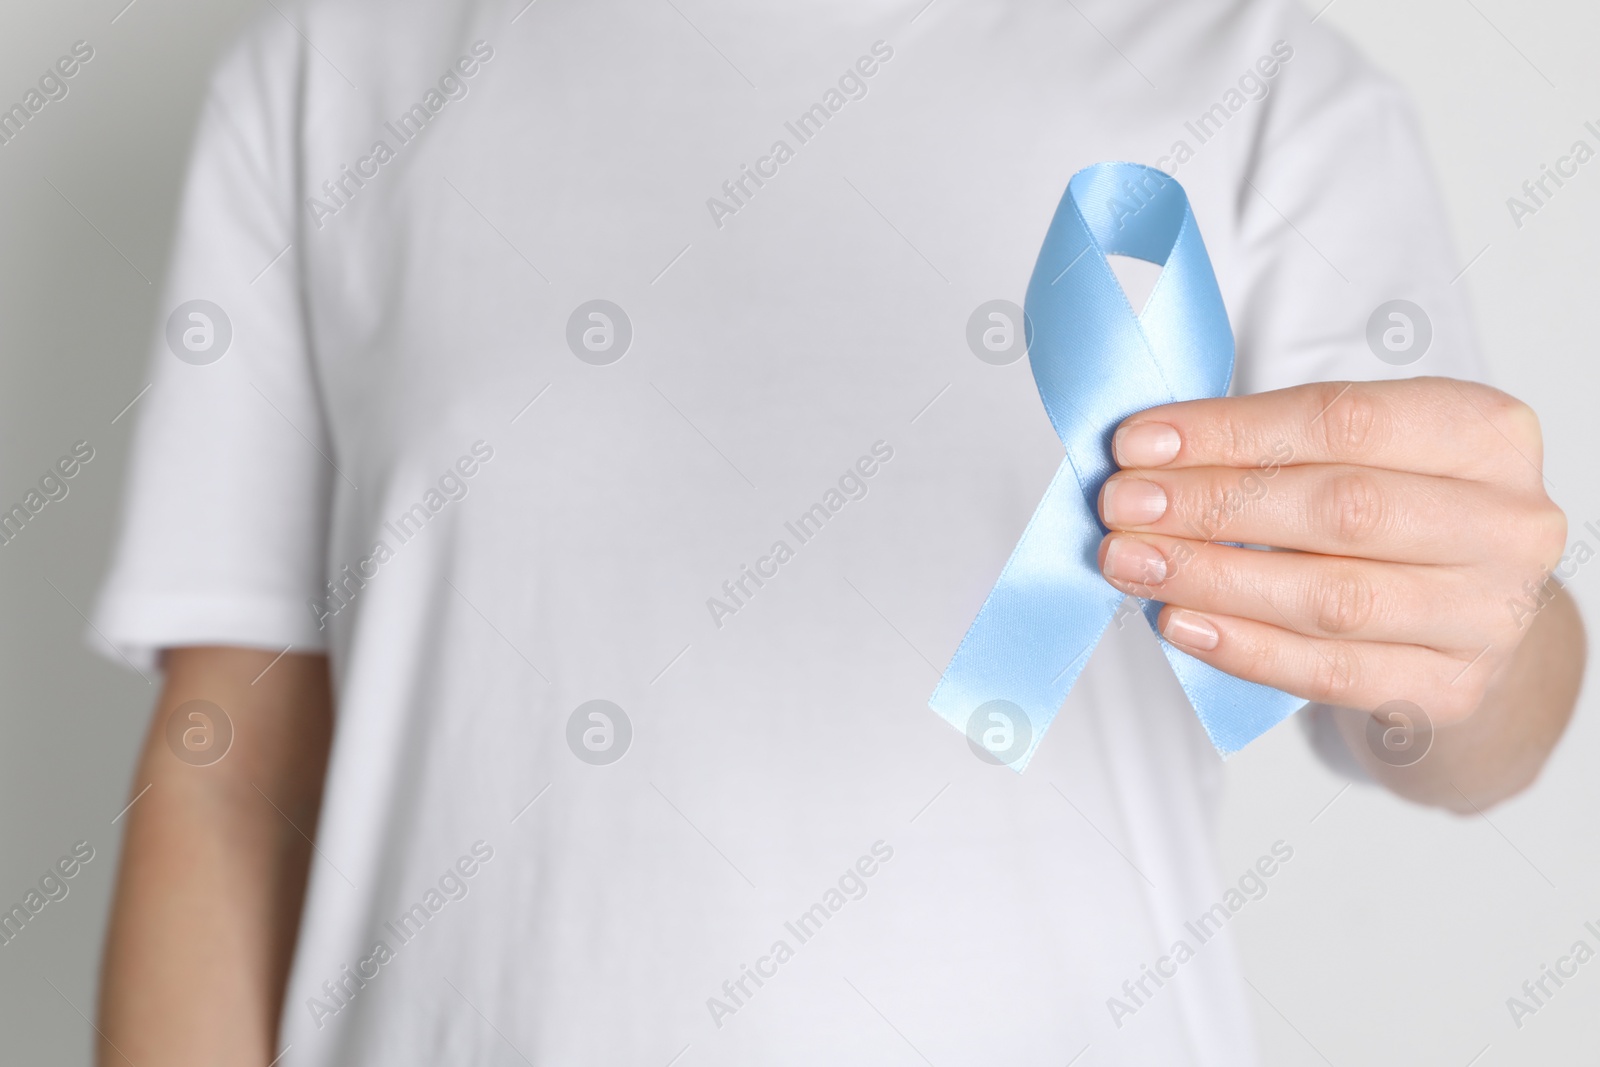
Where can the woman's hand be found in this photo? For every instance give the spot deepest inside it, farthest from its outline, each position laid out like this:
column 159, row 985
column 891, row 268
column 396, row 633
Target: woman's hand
column 1422, row 537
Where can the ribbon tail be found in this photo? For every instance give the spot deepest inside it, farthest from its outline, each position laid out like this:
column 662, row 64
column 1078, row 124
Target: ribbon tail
column 1233, row 711
column 1035, row 631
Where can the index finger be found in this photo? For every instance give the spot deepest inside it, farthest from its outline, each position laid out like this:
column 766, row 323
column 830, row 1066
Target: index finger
column 1433, row 426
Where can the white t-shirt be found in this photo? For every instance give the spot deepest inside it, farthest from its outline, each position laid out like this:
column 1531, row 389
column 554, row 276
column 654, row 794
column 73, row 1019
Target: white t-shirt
column 419, row 452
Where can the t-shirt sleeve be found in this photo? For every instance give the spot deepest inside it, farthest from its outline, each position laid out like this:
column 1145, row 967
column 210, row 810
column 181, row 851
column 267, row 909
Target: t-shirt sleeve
column 222, row 530
column 1339, row 216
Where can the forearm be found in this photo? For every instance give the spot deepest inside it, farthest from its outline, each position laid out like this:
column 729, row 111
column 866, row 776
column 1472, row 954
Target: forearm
column 212, row 874
column 1499, row 750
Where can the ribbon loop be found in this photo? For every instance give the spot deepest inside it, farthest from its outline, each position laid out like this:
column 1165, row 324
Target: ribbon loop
column 1096, row 362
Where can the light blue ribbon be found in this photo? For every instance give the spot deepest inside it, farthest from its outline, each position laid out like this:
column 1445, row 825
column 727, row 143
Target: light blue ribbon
column 1095, row 363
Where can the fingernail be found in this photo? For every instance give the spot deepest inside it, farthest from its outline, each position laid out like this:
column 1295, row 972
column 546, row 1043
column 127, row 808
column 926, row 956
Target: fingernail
column 1132, row 502
column 1188, row 630
column 1145, row 444
column 1131, row 560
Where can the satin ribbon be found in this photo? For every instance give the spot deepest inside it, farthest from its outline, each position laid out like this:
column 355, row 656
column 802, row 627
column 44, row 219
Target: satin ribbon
column 1095, row 363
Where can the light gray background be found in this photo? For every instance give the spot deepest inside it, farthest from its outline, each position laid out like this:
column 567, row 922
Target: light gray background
column 1393, row 937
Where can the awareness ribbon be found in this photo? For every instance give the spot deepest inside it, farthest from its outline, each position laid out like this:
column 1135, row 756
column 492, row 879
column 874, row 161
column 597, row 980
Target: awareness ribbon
column 1096, row 362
